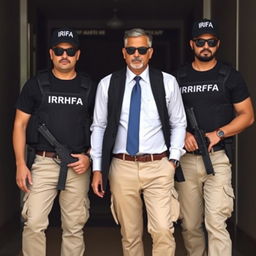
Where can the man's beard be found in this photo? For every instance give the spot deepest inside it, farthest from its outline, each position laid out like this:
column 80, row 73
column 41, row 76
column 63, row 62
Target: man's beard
column 136, row 65
column 204, row 58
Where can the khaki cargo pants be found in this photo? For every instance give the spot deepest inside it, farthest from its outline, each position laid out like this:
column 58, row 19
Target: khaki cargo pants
column 74, row 205
column 154, row 179
column 209, row 199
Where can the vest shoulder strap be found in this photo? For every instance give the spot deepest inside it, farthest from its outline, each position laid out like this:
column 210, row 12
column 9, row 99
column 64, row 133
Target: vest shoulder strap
column 224, row 72
column 181, row 74
column 86, row 81
column 43, row 81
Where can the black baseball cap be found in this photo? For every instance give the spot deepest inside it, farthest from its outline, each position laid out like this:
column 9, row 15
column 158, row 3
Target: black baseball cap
column 64, row 35
column 204, row 26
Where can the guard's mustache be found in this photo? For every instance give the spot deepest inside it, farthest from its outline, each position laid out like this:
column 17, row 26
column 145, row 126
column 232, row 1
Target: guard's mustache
column 206, row 50
column 64, row 59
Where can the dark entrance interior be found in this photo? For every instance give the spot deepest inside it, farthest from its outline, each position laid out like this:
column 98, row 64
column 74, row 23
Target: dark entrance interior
column 102, row 52
column 101, row 25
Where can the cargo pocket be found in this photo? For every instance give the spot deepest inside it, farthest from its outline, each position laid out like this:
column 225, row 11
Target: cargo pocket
column 86, row 207
column 175, row 205
column 113, row 211
column 84, row 212
column 24, row 212
column 228, row 201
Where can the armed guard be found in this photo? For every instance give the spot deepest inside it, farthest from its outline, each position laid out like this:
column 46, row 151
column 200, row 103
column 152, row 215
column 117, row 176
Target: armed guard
column 62, row 101
column 220, row 101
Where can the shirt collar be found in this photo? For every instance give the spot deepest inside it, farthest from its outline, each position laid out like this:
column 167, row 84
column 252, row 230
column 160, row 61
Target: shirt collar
column 144, row 75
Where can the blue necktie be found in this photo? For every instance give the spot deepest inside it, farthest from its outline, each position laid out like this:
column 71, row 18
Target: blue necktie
column 132, row 145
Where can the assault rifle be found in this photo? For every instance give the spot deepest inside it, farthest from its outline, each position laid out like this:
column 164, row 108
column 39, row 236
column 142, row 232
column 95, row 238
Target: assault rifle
column 62, row 152
column 201, row 141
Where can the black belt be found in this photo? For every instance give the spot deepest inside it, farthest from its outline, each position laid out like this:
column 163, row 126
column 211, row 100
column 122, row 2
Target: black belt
column 214, row 149
column 141, row 158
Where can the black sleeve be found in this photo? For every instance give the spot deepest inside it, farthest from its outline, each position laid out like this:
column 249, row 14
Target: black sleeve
column 237, row 87
column 92, row 97
column 30, row 97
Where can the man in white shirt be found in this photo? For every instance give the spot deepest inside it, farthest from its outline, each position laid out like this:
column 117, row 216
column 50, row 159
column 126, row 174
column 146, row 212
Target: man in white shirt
column 137, row 140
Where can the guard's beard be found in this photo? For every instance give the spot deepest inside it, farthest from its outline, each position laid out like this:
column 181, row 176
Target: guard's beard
column 205, row 58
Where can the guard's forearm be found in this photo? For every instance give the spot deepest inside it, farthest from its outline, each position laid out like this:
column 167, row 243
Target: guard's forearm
column 238, row 124
column 19, row 142
column 244, row 118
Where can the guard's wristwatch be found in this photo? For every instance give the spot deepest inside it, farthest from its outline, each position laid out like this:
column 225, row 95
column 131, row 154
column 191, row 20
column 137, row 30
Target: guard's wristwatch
column 220, row 133
column 176, row 162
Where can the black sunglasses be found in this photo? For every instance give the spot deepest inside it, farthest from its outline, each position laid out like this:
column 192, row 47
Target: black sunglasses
column 142, row 50
column 59, row 51
column 200, row 42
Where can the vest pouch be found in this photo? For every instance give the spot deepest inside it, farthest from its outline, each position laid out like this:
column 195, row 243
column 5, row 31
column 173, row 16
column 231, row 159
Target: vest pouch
column 31, row 131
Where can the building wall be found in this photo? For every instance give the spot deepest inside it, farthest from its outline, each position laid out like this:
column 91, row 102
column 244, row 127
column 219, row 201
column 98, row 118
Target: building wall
column 9, row 88
column 247, row 140
column 225, row 14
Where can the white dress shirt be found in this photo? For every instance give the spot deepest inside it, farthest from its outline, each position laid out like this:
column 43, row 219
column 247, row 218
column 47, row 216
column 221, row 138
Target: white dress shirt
column 151, row 138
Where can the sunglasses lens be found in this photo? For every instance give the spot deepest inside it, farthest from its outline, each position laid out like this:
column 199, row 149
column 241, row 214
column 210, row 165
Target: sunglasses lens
column 212, row 42
column 130, row 50
column 200, row 42
column 71, row 52
column 142, row 50
column 58, row 51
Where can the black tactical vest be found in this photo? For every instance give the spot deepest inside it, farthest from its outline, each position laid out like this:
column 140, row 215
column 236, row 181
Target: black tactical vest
column 209, row 99
column 65, row 114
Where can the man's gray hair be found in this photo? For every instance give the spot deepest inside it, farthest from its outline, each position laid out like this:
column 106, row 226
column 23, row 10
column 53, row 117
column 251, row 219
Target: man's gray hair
column 136, row 32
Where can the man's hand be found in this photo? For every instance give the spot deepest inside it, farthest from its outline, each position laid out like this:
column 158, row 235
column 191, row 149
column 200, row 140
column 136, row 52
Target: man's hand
column 213, row 139
column 97, row 184
column 23, row 175
column 173, row 164
column 82, row 165
column 190, row 142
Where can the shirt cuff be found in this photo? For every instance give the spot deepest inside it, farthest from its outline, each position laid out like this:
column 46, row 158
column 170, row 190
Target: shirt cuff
column 176, row 153
column 96, row 164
